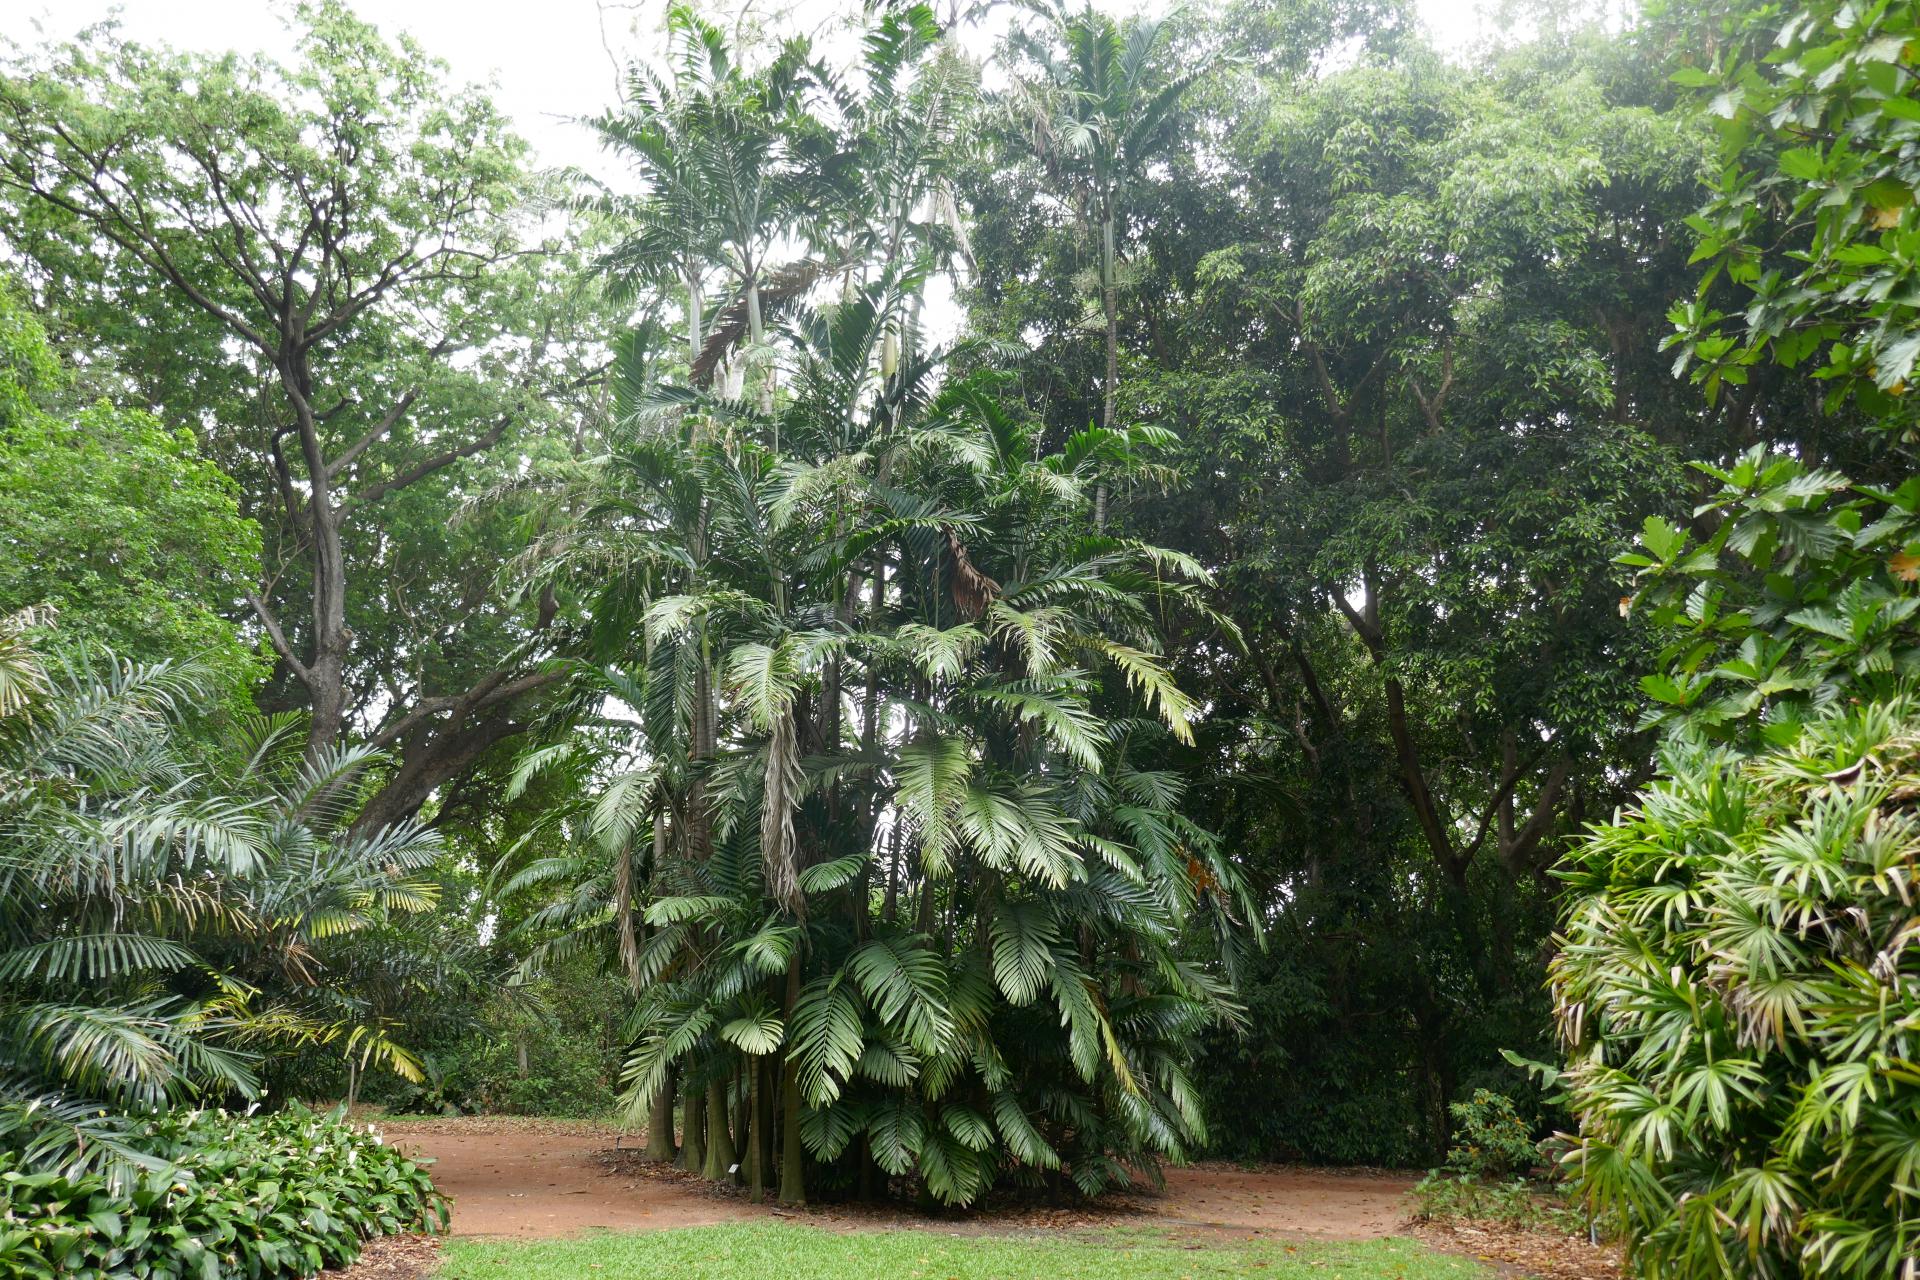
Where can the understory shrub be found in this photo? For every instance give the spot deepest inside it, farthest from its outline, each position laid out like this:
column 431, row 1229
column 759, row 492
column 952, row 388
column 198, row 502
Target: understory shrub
column 1739, row 992
column 217, row 1195
column 550, row 1048
column 1491, row 1141
column 1489, row 1170
column 1442, row 1197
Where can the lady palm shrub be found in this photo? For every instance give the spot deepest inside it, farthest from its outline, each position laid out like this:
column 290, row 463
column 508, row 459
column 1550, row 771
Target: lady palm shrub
column 173, row 904
column 1739, row 991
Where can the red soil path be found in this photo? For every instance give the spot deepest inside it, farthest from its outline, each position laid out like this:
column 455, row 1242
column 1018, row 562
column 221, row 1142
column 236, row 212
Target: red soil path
column 534, row 1179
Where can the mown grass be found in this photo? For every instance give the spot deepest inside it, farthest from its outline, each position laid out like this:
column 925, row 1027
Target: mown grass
column 757, row 1251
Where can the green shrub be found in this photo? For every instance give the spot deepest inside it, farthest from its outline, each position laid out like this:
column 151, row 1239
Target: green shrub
column 1739, row 993
column 226, row 1195
column 1491, row 1141
column 1487, row 1168
column 1442, row 1197
column 567, row 1026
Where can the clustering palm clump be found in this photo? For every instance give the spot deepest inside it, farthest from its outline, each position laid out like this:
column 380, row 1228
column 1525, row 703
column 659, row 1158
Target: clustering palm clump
column 1738, row 986
column 873, row 837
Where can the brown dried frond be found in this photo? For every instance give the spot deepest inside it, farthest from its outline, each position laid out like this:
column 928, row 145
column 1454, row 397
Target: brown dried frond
column 780, row 285
column 973, row 590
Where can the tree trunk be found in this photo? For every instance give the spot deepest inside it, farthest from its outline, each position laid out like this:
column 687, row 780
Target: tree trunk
column 763, row 1086
column 793, row 1152
column 793, row 1155
column 696, row 323
column 743, row 1128
column 752, row 1133
column 720, row 1156
column 660, row 1143
column 1110, row 307
column 693, row 1126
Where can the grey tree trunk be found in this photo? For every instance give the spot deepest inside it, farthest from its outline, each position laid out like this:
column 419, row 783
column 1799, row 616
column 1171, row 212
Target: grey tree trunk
column 720, row 1154
column 660, row 1143
column 1110, row 305
column 693, row 1146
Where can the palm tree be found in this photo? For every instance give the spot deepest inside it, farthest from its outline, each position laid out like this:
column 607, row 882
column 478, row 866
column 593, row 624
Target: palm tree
column 710, row 142
column 170, row 903
column 926, row 798
column 1096, row 108
column 868, row 831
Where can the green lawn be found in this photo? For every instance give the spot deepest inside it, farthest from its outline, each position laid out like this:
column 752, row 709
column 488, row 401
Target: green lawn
column 759, row 1251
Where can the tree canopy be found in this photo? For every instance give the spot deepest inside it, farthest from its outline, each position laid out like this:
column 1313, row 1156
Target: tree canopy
column 995, row 601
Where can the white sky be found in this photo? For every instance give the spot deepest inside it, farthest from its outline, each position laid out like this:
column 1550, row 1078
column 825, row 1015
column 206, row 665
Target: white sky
column 547, row 62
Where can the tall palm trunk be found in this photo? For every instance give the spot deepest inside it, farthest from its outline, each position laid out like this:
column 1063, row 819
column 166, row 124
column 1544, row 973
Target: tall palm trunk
column 696, row 320
column 1110, row 306
column 763, row 1109
column 660, row 1143
column 720, row 1153
column 693, row 1147
column 793, row 1155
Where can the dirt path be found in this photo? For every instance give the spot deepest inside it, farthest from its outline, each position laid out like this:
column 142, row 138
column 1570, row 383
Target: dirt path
column 529, row 1180
column 532, row 1182
column 1285, row 1199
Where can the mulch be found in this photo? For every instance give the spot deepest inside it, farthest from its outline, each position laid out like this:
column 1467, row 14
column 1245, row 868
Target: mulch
column 392, row 1258
column 401, row 1125
column 1542, row 1254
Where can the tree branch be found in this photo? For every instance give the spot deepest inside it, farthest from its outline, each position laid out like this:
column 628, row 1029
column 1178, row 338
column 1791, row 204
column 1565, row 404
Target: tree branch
column 278, row 638
column 425, row 467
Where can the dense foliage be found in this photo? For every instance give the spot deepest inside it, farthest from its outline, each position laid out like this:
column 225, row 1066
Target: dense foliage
column 600, row 640
column 320, row 267
column 1735, row 989
column 1736, row 976
column 907, row 901
column 169, row 904
column 227, row 1195
column 116, row 521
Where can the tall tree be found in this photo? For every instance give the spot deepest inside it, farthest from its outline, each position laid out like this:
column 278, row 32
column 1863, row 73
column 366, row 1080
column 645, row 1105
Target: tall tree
column 909, row 904
column 1098, row 106
column 328, row 265
column 115, row 521
column 1404, row 316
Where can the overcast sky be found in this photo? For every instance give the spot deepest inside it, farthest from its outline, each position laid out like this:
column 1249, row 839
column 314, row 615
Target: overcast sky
column 548, row 60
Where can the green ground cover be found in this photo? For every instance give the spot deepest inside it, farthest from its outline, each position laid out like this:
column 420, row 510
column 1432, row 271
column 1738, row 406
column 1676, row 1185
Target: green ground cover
column 801, row 1253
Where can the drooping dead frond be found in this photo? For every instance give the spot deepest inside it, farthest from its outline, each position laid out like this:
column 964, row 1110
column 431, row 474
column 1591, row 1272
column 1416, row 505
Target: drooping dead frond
column 777, row 287
column 777, row 846
column 973, row 590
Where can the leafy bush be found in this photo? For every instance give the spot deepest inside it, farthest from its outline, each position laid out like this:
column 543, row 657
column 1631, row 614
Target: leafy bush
column 225, row 1195
column 549, row 1047
column 1739, row 999
column 1487, row 1168
column 1442, row 1196
column 569, row 1076
column 1491, row 1141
